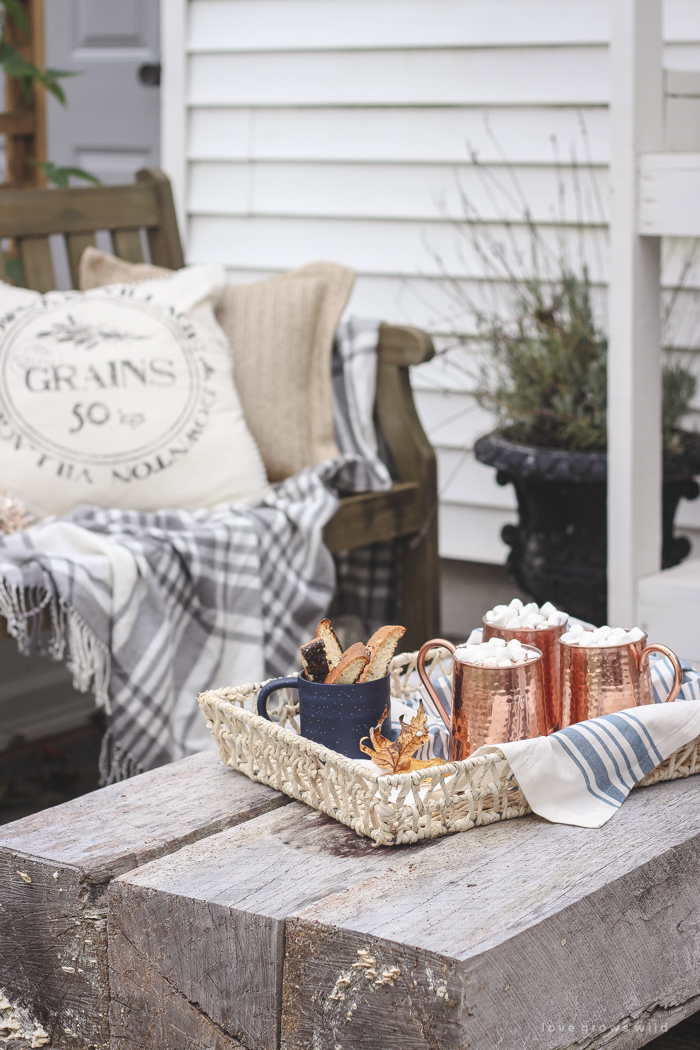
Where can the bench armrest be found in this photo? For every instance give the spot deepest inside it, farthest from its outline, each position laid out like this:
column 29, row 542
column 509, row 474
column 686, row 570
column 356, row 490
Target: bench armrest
column 399, row 345
column 414, row 456
column 396, row 411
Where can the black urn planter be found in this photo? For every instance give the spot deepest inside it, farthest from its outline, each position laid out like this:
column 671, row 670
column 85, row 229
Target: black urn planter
column 559, row 546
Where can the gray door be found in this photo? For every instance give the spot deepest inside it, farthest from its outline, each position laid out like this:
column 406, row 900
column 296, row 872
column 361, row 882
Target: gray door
column 111, row 124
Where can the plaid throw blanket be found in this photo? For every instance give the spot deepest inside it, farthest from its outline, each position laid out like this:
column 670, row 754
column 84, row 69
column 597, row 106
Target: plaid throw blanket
column 150, row 609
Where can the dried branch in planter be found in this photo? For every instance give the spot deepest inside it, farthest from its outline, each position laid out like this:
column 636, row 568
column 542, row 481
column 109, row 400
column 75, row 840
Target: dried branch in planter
column 545, row 374
column 395, row 756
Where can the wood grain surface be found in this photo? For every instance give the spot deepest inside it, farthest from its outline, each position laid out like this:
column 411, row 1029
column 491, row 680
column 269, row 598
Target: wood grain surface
column 78, row 210
column 521, row 936
column 375, row 516
column 196, row 940
column 55, row 869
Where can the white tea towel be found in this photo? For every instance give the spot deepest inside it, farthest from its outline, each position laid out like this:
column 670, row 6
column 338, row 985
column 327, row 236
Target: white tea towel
column 583, row 774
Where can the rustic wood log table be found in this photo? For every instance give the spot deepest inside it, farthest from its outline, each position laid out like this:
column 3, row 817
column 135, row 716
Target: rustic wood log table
column 287, row 930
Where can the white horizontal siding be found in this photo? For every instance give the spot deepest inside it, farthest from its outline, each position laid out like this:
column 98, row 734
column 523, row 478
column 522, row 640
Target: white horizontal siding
column 451, row 419
column 344, row 129
column 388, row 191
column 462, row 479
column 265, row 25
column 369, row 246
column 473, row 533
column 450, row 76
column 380, row 134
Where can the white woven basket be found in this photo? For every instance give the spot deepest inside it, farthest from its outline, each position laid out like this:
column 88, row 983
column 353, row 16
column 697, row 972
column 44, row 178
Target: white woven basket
column 389, row 809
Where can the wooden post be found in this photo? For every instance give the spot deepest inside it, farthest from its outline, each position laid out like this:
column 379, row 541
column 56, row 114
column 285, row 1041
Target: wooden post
column 25, row 120
column 414, row 456
column 634, row 356
column 196, row 945
column 55, row 871
column 519, row 936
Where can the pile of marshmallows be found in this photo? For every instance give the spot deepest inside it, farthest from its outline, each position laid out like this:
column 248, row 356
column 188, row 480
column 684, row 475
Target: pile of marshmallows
column 528, row 616
column 495, row 653
column 605, row 636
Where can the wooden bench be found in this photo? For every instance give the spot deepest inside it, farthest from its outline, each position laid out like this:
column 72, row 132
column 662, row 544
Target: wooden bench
column 189, row 907
column 407, row 512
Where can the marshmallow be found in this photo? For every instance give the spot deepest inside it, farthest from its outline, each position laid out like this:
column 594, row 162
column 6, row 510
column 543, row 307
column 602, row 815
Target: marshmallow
column 517, row 616
column 495, row 653
column 601, row 637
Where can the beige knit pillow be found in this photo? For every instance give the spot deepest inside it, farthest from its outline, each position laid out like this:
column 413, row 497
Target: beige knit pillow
column 281, row 335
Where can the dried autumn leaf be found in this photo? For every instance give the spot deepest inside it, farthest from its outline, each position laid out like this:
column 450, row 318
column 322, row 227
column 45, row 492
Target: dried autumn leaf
column 395, row 755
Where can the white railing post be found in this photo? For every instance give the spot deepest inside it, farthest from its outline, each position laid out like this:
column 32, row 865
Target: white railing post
column 173, row 104
column 634, row 360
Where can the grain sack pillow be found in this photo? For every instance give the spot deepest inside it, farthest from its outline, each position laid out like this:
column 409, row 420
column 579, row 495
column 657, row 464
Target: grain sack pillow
column 281, row 335
column 122, row 396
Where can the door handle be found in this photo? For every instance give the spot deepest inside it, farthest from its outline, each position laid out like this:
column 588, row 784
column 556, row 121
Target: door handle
column 149, row 74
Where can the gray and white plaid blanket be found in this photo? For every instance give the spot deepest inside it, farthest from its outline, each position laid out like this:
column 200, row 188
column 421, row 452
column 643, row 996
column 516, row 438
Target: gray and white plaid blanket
column 149, row 609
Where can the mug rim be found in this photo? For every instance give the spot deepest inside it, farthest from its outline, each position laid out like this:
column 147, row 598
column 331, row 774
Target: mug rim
column 513, row 667
column 302, row 676
column 619, row 645
column 547, row 627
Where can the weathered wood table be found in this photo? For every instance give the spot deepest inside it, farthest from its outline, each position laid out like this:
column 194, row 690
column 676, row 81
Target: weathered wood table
column 194, row 909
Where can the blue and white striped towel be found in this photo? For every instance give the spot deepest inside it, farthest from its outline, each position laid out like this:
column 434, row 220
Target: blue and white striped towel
column 583, row 774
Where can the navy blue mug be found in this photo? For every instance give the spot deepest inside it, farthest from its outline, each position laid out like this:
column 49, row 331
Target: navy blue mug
column 337, row 716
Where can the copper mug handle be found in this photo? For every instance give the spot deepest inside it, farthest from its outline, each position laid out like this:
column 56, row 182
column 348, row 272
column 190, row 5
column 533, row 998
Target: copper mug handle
column 655, row 647
column 420, row 667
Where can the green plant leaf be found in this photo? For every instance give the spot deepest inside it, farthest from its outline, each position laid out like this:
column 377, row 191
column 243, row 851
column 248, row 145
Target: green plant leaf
column 16, row 66
column 61, row 176
column 15, row 11
column 13, row 270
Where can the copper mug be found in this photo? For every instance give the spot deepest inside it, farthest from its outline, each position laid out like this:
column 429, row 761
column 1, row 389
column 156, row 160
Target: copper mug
column 599, row 680
column 490, row 705
column 547, row 640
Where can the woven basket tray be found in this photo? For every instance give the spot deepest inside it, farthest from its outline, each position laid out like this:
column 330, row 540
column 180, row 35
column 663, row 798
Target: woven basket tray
column 387, row 808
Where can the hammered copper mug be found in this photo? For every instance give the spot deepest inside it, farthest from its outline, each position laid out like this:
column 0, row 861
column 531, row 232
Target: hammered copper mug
column 546, row 639
column 490, row 705
column 599, row 680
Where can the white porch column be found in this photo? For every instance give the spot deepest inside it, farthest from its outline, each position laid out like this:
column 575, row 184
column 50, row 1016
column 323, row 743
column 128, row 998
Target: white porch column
column 634, row 359
column 173, row 104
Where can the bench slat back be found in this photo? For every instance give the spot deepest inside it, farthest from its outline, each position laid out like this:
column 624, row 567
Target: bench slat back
column 31, row 216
